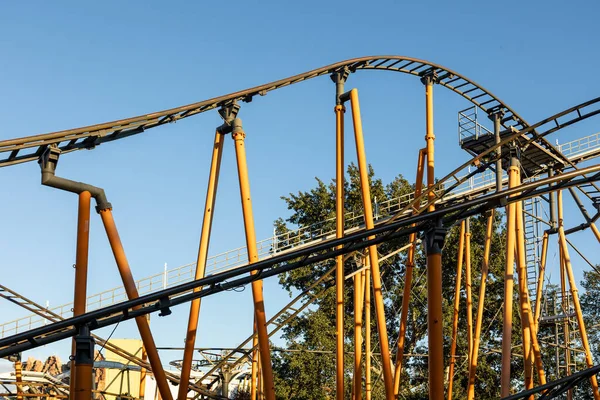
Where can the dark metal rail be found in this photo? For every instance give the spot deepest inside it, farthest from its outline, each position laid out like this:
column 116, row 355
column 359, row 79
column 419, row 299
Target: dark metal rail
column 163, row 300
column 15, row 151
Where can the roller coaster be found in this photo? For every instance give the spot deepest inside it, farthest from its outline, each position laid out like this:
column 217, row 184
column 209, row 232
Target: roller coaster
column 512, row 167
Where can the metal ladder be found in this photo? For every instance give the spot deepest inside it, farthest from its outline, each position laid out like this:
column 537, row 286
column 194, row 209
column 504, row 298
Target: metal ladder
column 533, row 236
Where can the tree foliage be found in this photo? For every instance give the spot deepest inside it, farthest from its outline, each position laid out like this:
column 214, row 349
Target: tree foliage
column 308, row 372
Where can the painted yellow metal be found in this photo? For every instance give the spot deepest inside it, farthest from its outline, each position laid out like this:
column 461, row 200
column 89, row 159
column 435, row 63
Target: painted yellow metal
column 367, row 296
column 410, row 264
column 435, row 329
column 209, row 206
column 468, row 286
column 81, row 270
column 358, row 289
column 375, row 273
column 508, row 287
column 485, row 266
column 459, row 265
column 574, row 293
column 339, row 260
column 257, row 292
column 540, row 282
column 132, row 293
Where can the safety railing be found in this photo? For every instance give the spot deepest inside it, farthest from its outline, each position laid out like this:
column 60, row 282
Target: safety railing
column 581, row 146
column 468, row 126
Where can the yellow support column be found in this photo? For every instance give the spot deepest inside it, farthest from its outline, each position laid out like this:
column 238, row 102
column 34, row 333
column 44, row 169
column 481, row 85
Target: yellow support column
column 459, row 263
column 485, row 266
column 358, row 288
column 540, row 282
column 254, row 371
column 468, row 285
column 339, row 274
column 257, row 293
column 81, row 268
column 209, row 206
column 410, row 263
column 574, row 293
column 508, row 284
column 367, row 282
column 375, row 273
column 435, row 329
column 132, row 293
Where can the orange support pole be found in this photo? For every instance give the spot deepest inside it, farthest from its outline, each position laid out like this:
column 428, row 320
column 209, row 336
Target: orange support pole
column 468, row 285
column 485, row 267
column 367, row 281
column 83, row 386
column 358, row 288
column 540, row 283
column 143, row 373
column 595, row 230
column 257, row 292
column 84, row 364
column 339, row 260
column 574, row 293
column 132, row 293
column 410, row 263
column 254, row 371
column 508, row 284
column 388, row 379
column 81, row 268
column 459, row 262
column 435, row 333
column 209, row 206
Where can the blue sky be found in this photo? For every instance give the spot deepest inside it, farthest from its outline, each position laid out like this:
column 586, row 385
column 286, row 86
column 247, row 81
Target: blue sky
column 70, row 64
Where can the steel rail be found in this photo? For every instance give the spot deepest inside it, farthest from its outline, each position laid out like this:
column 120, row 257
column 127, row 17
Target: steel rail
column 162, row 301
column 88, row 137
column 51, row 316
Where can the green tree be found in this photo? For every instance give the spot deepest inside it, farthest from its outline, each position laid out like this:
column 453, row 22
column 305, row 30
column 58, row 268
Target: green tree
column 309, row 372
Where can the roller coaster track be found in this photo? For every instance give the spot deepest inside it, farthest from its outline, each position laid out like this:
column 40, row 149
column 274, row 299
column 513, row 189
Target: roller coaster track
column 51, row 316
column 576, row 150
column 29, row 148
column 278, row 264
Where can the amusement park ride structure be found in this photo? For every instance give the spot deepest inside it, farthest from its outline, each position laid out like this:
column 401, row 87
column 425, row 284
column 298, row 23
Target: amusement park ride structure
column 513, row 166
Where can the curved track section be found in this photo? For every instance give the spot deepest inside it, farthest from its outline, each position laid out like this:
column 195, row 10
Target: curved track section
column 29, row 148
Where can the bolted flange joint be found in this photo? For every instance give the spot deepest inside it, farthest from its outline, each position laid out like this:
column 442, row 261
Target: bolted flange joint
column 429, row 77
column 434, row 238
column 229, row 113
column 84, row 347
column 237, row 132
column 340, row 77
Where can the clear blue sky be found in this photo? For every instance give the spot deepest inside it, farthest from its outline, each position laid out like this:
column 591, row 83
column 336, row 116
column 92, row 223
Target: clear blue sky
column 69, row 64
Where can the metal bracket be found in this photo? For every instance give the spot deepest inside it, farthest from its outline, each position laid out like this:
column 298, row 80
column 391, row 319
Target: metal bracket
column 429, row 76
column 164, row 305
column 340, row 77
column 496, row 112
column 84, row 346
column 49, row 158
column 229, row 113
column 434, row 238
